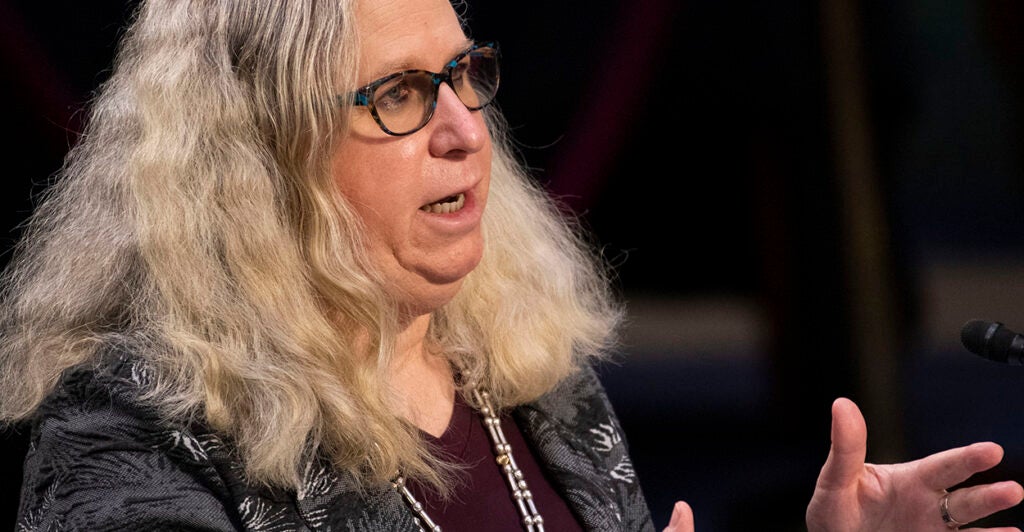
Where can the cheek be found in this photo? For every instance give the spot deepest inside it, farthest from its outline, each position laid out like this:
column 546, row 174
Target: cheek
column 369, row 188
column 371, row 182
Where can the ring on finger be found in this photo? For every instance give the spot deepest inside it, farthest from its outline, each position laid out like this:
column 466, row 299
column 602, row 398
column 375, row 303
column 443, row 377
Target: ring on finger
column 952, row 523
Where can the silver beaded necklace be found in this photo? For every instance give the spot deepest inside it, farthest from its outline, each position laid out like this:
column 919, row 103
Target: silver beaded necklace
column 532, row 521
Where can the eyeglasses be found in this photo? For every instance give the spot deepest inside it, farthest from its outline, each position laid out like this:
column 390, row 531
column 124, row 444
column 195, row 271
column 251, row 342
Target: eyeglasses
column 403, row 102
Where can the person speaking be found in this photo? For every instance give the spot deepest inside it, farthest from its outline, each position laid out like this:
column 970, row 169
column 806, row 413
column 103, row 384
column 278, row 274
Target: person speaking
column 293, row 277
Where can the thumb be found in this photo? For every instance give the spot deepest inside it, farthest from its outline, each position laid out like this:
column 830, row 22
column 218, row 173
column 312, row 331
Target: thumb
column 849, row 446
column 682, row 518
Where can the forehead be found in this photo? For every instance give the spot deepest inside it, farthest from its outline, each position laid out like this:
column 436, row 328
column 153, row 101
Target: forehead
column 398, row 34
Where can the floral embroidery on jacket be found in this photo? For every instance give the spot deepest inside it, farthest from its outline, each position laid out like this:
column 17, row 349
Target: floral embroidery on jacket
column 99, row 460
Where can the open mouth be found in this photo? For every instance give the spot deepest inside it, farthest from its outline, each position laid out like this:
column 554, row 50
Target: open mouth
column 447, row 205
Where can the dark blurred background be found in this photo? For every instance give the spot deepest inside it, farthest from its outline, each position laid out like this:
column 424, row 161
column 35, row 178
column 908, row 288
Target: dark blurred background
column 802, row 200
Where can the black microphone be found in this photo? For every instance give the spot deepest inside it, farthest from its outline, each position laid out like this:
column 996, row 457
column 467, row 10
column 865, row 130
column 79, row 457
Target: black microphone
column 992, row 340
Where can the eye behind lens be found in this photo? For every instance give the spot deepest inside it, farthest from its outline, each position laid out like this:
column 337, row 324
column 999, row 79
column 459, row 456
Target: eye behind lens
column 404, row 104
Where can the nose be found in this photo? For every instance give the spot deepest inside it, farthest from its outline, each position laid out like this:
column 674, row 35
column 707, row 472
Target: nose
column 453, row 128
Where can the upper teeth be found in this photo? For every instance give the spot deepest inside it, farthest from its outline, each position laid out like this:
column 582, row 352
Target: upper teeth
column 447, row 205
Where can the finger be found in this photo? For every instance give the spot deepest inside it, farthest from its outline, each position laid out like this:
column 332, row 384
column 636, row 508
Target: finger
column 953, row 466
column 682, row 518
column 845, row 460
column 975, row 502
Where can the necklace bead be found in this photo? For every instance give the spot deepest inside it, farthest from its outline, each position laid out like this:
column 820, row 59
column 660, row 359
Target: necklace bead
column 531, row 518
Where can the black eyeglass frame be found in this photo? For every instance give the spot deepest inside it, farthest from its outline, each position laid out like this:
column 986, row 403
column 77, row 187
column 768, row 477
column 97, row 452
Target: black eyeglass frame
column 363, row 96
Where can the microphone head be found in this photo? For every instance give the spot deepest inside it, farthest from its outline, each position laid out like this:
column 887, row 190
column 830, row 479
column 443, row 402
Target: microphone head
column 992, row 340
column 976, row 334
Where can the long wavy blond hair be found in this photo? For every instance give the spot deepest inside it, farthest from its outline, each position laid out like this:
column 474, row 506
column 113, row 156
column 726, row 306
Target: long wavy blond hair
column 196, row 226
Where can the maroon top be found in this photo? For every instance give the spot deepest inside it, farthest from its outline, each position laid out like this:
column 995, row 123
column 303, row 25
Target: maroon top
column 484, row 501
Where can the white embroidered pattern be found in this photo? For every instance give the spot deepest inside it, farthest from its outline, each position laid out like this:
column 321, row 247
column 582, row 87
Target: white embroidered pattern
column 33, row 520
column 606, row 437
column 260, row 516
column 624, row 471
column 182, row 440
column 316, row 518
column 317, row 481
column 141, row 374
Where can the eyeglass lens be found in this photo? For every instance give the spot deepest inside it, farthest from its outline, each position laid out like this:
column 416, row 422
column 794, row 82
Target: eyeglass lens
column 406, row 102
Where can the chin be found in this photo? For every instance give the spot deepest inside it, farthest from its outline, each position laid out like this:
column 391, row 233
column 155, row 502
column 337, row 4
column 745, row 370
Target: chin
column 428, row 299
column 426, row 289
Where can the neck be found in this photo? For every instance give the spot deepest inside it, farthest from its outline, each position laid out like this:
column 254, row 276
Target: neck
column 422, row 381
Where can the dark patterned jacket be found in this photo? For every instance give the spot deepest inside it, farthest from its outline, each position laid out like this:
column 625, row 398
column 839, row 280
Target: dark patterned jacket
column 101, row 460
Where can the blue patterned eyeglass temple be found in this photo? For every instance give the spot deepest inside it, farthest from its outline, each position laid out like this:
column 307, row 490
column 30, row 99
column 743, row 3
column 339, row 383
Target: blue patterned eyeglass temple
column 403, row 102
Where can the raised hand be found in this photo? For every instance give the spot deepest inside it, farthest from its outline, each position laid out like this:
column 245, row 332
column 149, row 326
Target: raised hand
column 854, row 496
